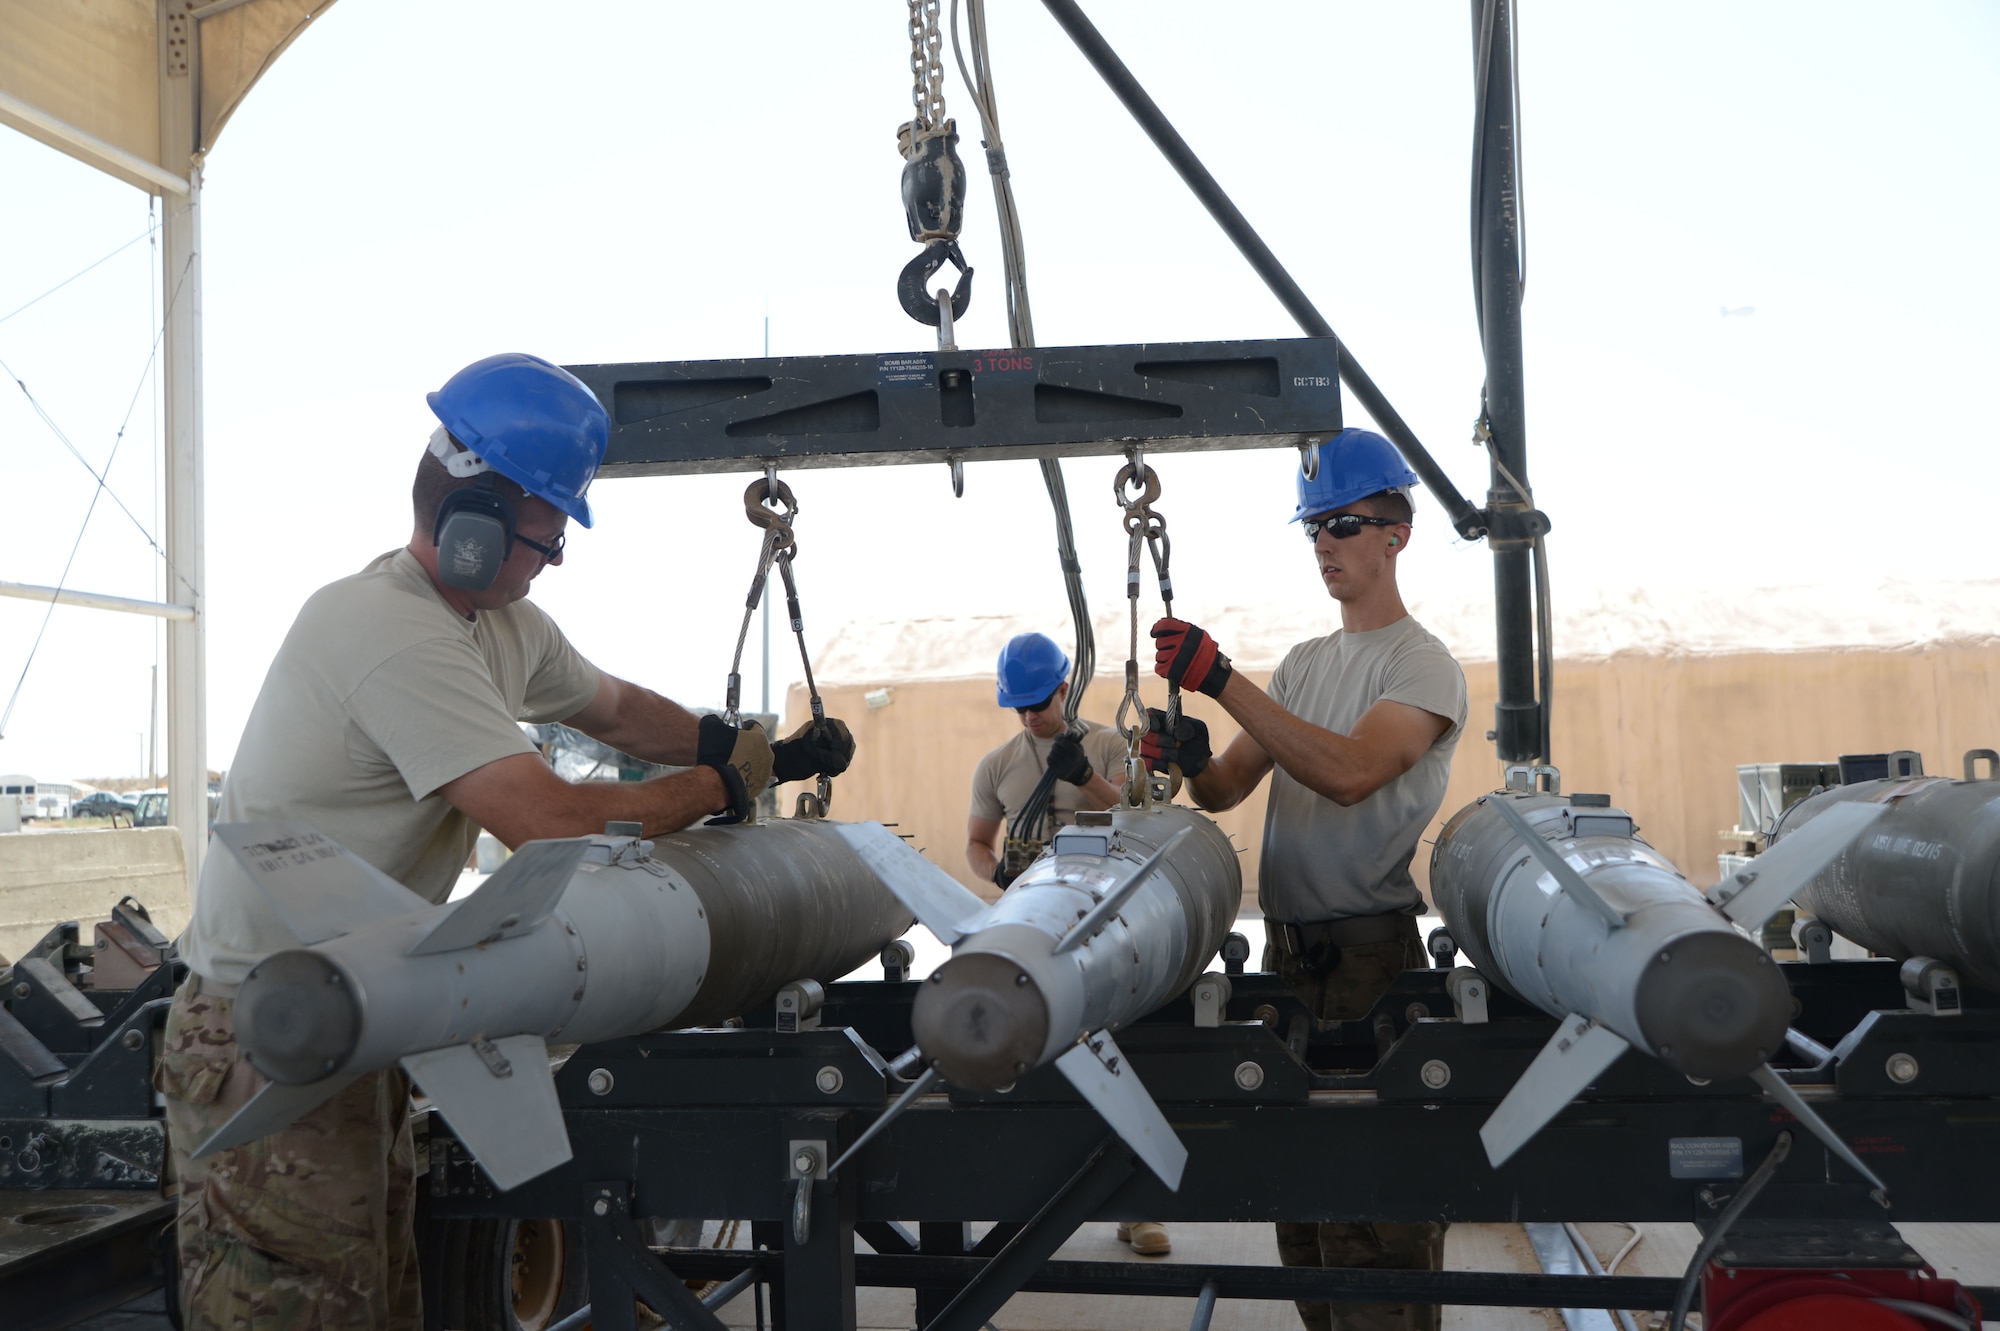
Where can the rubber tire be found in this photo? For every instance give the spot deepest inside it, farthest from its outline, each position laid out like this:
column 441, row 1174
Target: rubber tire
column 475, row 1274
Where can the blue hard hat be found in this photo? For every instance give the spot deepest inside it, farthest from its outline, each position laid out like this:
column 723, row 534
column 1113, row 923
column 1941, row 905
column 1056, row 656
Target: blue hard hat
column 1352, row 465
column 1032, row 667
column 531, row 421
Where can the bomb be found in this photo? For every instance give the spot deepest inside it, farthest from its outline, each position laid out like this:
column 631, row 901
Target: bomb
column 1563, row 904
column 584, row 939
column 1119, row 916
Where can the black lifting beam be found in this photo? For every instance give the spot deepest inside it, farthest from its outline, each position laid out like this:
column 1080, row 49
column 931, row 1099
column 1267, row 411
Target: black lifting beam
column 677, row 417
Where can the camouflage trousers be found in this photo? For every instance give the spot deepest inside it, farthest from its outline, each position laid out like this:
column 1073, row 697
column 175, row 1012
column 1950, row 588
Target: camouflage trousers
column 1344, row 992
column 309, row 1229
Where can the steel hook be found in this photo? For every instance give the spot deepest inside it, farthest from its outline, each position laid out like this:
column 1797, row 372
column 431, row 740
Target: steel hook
column 913, row 283
column 783, row 507
column 957, row 477
column 1139, row 474
column 1309, row 460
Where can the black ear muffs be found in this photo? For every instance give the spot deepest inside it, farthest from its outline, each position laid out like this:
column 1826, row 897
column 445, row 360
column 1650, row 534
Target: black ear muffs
column 474, row 534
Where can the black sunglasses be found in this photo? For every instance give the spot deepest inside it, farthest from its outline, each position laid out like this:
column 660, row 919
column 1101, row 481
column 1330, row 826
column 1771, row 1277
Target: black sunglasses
column 550, row 552
column 1343, row 525
column 1041, row 706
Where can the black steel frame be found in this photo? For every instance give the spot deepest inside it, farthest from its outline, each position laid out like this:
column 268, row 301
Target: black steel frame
column 1341, row 1124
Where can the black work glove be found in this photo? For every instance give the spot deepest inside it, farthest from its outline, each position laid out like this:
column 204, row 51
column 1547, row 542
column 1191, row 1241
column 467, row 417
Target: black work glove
column 1068, row 760
column 1186, row 657
column 818, row 748
column 742, row 758
column 1187, row 745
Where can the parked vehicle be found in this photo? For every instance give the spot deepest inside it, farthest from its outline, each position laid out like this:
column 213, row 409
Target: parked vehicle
column 152, row 810
column 21, row 790
column 101, row 804
column 53, row 799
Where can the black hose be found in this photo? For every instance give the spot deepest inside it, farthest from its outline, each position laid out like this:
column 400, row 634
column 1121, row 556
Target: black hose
column 1753, row 1185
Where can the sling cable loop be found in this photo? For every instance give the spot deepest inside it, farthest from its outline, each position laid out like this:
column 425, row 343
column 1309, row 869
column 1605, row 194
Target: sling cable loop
column 1144, row 526
column 769, row 503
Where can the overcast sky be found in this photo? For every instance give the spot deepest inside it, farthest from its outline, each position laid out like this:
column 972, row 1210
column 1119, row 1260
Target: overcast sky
column 417, row 185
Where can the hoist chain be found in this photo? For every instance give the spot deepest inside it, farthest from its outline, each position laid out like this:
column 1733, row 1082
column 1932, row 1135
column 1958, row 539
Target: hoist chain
column 1145, row 527
column 927, row 63
column 769, row 504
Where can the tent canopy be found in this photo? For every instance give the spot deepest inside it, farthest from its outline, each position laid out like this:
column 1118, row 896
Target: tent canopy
column 84, row 76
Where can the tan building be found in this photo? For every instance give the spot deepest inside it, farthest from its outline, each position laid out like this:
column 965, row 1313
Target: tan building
column 1658, row 697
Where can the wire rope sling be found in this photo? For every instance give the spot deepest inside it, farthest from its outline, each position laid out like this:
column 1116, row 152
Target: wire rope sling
column 770, row 505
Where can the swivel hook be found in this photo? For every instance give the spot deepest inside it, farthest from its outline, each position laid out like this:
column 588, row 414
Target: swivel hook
column 912, row 284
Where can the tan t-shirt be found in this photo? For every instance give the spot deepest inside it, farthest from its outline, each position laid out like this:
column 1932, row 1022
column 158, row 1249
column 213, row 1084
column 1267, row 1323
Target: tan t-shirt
column 1324, row 862
column 380, row 694
column 1006, row 777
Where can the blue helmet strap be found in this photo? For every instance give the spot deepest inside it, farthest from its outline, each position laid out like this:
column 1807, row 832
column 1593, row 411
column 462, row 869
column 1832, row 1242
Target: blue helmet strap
column 474, row 534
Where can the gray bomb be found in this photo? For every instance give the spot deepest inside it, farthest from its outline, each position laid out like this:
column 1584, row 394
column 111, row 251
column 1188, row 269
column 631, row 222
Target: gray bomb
column 1672, row 976
column 576, row 940
column 1561, row 903
column 1923, row 881
column 1119, row 916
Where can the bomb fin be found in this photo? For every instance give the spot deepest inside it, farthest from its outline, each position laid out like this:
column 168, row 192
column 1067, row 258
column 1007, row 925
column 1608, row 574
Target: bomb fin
column 272, row 1109
column 319, row 889
column 514, row 901
column 1103, row 1076
column 1566, row 877
column 1761, row 888
column 940, row 902
column 500, row 1099
column 1575, row 1056
column 1783, row 1092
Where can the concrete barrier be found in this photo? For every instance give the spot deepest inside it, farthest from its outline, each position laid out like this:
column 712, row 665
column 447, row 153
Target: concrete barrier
column 49, row 877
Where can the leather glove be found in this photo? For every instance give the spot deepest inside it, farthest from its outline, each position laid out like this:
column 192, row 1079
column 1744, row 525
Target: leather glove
column 818, row 748
column 1187, row 658
column 1068, row 760
column 742, row 758
column 1187, row 745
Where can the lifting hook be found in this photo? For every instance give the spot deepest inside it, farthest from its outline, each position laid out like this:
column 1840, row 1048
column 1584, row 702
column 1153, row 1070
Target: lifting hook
column 912, row 285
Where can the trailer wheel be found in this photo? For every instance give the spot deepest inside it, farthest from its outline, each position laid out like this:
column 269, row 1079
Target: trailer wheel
column 516, row 1275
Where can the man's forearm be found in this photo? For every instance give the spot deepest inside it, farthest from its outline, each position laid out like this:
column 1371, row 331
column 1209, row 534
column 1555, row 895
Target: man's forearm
column 982, row 859
column 652, row 727
column 1324, row 761
column 664, row 804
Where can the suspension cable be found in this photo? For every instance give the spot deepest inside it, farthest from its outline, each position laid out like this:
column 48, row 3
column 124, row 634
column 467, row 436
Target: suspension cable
column 1021, row 326
column 1145, row 526
column 103, row 488
column 769, row 504
column 978, row 77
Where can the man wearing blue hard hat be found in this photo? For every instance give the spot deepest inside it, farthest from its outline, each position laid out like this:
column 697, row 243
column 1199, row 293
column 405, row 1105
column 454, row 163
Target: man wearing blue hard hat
column 389, row 721
column 1034, row 683
column 1357, row 731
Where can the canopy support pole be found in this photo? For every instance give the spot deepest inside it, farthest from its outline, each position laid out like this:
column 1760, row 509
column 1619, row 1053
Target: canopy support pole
column 187, row 656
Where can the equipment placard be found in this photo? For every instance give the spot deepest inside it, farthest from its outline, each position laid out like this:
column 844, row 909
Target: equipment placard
column 1705, row 1157
column 908, row 367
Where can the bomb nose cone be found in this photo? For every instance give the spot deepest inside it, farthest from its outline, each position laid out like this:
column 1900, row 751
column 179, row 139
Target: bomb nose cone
column 981, row 1021
column 1713, row 1005
column 298, row 1018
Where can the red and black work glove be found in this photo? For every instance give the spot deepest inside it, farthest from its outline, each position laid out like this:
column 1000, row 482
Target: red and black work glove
column 818, row 748
column 742, row 758
column 1068, row 760
column 1187, row 658
column 1187, row 746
